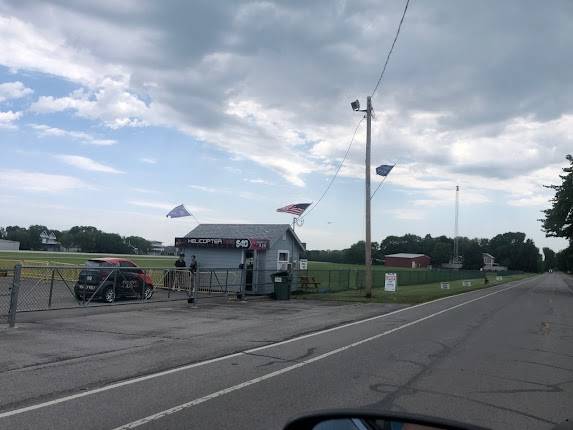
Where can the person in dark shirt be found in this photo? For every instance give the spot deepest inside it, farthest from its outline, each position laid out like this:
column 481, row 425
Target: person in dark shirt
column 193, row 264
column 178, row 280
column 181, row 261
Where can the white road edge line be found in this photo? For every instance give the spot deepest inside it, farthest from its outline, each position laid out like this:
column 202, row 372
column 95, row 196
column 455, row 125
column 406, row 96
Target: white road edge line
column 234, row 355
column 228, row 390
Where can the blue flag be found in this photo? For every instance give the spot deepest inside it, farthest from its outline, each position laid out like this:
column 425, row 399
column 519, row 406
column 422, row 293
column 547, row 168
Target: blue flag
column 383, row 170
column 178, row 212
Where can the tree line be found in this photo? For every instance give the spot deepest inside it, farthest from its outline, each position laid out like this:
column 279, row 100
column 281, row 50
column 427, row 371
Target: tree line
column 511, row 249
column 83, row 238
column 558, row 220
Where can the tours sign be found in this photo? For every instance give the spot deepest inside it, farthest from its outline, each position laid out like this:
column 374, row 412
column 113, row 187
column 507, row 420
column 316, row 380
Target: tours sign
column 222, row 243
column 390, row 282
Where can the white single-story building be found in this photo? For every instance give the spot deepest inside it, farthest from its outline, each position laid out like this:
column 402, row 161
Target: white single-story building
column 9, row 245
column 257, row 250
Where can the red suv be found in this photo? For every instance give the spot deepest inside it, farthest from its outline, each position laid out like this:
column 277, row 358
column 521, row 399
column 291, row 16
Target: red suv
column 110, row 278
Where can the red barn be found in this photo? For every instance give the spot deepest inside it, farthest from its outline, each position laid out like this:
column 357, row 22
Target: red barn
column 412, row 261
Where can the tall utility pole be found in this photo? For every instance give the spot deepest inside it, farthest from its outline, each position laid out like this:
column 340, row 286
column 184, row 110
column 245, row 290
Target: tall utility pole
column 368, row 242
column 456, row 228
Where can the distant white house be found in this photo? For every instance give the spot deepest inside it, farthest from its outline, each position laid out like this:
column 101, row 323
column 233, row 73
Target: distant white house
column 157, row 247
column 489, row 264
column 9, row 245
column 49, row 241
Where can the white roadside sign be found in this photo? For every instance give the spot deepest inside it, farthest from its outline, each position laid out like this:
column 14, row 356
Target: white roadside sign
column 445, row 285
column 390, row 282
column 467, row 283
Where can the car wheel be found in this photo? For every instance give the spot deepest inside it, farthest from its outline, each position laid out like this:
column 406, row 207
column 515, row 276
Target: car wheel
column 148, row 292
column 109, row 295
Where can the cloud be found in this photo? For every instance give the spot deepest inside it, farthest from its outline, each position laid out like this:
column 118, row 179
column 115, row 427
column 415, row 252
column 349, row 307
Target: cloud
column 8, row 118
column 203, row 188
column 152, row 204
column 47, row 131
column 148, row 160
column 110, row 102
column 36, row 47
column 13, row 90
column 13, row 179
column 86, row 163
column 406, row 214
column 164, row 205
column 257, row 87
column 258, row 181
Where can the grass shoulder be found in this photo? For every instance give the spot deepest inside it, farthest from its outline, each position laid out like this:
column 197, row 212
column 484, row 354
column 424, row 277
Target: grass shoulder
column 411, row 294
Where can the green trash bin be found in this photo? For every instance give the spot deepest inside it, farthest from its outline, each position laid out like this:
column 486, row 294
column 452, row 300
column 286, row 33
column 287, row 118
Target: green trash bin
column 281, row 283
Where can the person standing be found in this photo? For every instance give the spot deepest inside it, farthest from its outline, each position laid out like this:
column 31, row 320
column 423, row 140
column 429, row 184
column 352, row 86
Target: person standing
column 193, row 264
column 180, row 261
column 178, row 279
column 193, row 270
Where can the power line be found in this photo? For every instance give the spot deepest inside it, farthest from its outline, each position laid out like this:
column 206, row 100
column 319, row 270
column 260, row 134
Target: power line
column 335, row 173
column 391, row 49
column 362, row 119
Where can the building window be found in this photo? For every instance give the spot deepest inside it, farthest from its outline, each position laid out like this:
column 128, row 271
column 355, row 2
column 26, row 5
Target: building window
column 282, row 260
column 283, row 256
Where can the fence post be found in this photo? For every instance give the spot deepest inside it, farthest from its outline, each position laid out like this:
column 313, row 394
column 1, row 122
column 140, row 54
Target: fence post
column 14, row 295
column 51, row 289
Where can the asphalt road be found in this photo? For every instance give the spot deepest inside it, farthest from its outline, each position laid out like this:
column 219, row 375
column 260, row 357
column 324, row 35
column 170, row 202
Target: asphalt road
column 500, row 358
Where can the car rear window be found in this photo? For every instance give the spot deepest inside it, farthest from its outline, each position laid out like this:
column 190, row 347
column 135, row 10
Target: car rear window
column 98, row 263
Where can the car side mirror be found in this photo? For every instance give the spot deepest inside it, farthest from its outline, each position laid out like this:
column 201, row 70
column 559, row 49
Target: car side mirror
column 370, row 420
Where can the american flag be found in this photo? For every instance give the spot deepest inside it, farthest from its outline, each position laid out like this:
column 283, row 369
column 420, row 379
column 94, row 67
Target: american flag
column 296, row 209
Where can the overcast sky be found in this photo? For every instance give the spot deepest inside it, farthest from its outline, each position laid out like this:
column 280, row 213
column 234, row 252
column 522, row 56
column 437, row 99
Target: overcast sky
column 112, row 113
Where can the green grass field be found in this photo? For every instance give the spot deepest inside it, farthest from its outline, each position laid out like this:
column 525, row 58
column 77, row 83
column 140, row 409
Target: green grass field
column 9, row 259
column 410, row 294
column 320, row 265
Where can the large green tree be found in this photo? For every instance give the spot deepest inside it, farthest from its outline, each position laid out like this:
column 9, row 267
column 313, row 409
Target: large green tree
column 549, row 259
column 558, row 221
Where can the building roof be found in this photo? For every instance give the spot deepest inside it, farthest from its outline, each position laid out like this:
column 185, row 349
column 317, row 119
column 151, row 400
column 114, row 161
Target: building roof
column 485, row 254
column 272, row 232
column 406, row 255
column 9, row 241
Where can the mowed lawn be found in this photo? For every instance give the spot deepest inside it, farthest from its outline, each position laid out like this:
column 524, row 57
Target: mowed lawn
column 9, row 259
column 411, row 294
column 320, row 265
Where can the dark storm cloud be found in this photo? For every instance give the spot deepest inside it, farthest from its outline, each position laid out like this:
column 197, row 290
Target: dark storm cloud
column 480, row 64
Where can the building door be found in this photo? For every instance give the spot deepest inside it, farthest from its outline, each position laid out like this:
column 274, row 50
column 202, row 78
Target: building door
column 249, row 267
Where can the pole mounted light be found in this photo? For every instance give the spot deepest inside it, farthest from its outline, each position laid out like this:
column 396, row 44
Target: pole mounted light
column 368, row 242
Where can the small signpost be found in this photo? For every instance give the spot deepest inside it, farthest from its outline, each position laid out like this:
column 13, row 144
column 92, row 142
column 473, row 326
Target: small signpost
column 390, row 282
column 466, row 283
column 303, row 264
column 445, row 285
column 499, row 278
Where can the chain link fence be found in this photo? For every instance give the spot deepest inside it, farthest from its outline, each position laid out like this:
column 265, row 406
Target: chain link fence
column 6, row 281
column 37, row 288
column 327, row 281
